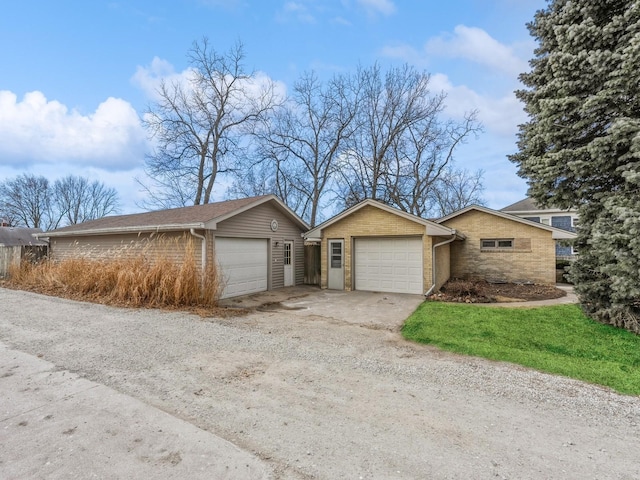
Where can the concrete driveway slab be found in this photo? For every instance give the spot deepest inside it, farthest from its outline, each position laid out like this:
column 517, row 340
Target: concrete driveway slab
column 372, row 309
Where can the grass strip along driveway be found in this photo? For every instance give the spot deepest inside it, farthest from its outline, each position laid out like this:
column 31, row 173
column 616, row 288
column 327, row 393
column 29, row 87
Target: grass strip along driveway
column 555, row 339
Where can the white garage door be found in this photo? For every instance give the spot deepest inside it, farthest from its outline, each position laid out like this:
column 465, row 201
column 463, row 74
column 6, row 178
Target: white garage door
column 389, row 264
column 243, row 262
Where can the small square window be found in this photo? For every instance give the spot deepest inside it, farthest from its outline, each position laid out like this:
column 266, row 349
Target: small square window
column 496, row 243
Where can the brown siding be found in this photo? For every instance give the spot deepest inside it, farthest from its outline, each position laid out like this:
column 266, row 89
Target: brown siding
column 370, row 221
column 531, row 260
column 256, row 223
column 170, row 245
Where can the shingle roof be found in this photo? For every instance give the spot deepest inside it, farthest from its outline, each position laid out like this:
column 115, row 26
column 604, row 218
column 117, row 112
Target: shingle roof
column 13, row 236
column 176, row 218
column 524, row 205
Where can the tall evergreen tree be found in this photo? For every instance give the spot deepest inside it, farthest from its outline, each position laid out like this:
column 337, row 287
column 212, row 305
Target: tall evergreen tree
column 581, row 145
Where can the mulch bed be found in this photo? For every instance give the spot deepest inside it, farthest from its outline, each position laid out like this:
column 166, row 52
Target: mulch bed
column 465, row 291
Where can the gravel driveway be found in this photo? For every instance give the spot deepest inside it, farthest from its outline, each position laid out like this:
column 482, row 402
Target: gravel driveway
column 319, row 395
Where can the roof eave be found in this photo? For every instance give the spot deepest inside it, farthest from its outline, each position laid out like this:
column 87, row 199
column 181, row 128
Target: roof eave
column 115, row 230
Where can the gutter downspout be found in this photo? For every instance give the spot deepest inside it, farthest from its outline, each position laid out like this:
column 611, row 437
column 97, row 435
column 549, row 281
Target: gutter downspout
column 203, row 255
column 433, row 262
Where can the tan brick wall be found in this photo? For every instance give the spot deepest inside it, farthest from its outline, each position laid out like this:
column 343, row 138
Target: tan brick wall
column 370, row 221
column 531, row 260
column 443, row 264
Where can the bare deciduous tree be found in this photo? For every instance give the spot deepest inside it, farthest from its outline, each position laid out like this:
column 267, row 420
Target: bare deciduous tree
column 457, row 189
column 77, row 200
column 26, row 201
column 31, row 201
column 401, row 146
column 305, row 138
column 201, row 124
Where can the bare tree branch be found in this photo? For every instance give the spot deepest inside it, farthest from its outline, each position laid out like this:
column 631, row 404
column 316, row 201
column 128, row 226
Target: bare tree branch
column 201, row 125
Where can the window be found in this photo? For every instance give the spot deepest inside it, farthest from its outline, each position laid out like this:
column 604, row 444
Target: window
column 545, row 221
column 496, row 243
column 287, row 253
column 336, row 255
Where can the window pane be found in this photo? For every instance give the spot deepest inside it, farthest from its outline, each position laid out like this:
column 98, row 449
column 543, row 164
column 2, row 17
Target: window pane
column 505, row 244
column 488, row 243
column 336, row 255
column 287, row 254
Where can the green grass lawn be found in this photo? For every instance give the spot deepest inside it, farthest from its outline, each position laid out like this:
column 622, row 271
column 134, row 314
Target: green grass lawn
column 557, row 339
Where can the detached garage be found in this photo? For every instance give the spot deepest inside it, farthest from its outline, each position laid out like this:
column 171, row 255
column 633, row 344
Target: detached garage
column 372, row 246
column 256, row 243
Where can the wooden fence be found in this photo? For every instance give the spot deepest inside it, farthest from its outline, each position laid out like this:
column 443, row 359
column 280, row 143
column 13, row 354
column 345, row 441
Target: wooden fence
column 312, row 264
column 17, row 254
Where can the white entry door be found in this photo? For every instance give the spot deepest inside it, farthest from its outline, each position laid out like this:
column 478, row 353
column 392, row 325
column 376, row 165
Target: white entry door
column 289, row 279
column 336, row 265
column 243, row 265
column 389, row 264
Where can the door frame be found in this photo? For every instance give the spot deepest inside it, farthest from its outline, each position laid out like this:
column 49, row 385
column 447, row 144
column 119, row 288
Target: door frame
column 289, row 267
column 335, row 281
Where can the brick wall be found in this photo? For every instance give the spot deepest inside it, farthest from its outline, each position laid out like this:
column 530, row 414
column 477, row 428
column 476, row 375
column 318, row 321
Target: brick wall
column 532, row 258
column 370, row 221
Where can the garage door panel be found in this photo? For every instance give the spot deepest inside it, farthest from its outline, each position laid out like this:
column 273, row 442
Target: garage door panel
column 243, row 264
column 389, row 264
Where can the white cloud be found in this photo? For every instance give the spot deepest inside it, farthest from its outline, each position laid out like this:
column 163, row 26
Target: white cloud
column 405, row 53
column 472, row 43
column 150, row 77
column 296, row 10
column 500, row 115
column 385, row 7
column 36, row 130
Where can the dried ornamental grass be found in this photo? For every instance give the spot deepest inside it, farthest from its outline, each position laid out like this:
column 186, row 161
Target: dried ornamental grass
column 133, row 275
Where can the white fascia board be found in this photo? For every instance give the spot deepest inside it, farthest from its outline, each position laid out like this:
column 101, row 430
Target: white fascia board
column 117, row 230
column 435, row 230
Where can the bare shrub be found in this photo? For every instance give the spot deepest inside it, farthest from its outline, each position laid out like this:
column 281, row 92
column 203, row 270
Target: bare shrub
column 462, row 288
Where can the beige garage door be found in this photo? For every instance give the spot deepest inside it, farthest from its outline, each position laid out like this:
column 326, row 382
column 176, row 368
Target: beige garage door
column 243, row 263
column 389, row 264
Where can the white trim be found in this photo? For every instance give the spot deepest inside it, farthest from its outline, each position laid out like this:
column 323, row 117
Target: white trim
column 131, row 229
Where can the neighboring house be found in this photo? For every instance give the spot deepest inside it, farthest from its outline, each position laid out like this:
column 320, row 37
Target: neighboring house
column 372, row 246
column 18, row 243
column 502, row 247
column 565, row 219
column 256, row 242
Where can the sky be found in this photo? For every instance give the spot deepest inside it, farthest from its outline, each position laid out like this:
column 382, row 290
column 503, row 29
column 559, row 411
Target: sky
column 76, row 76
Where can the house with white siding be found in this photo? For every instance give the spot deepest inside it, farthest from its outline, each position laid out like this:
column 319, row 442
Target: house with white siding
column 554, row 217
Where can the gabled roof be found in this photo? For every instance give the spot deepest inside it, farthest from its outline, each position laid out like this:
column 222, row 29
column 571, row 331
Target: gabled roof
column 14, row 236
column 184, row 218
column 529, row 206
column 556, row 233
column 431, row 228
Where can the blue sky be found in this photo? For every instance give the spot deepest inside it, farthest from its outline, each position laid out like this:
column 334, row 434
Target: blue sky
column 76, row 75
